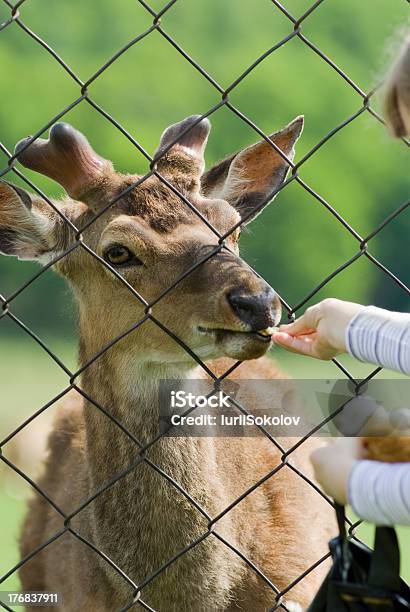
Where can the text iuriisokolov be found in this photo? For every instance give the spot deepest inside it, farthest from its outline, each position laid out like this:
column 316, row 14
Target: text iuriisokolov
column 240, row 420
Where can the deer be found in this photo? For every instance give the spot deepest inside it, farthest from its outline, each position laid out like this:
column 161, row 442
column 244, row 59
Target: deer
column 223, row 311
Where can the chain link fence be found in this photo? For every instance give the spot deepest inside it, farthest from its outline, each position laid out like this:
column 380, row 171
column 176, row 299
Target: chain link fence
column 364, row 243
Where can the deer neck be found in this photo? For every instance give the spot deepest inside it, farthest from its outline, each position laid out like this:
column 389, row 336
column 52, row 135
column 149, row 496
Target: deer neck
column 128, row 390
column 143, row 500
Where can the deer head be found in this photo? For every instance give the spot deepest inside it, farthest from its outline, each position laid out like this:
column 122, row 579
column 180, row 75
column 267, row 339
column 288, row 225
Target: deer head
column 150, row 237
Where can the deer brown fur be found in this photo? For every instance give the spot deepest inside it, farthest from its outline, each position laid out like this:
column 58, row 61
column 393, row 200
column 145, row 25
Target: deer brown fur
column 143, row 520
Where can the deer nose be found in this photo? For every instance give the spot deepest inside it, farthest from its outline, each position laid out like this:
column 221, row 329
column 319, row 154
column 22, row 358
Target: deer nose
column 257, row 311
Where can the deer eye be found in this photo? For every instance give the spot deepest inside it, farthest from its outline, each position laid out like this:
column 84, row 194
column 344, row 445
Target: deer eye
column 118, row 255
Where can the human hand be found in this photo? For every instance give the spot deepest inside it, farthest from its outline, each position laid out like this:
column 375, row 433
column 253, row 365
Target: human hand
column 320, row 331
column 332, row 466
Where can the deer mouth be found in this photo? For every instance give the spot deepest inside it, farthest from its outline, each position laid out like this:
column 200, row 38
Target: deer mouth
column 260, row 335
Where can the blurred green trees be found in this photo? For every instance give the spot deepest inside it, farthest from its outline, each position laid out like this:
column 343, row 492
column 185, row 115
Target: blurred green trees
column 296, row 242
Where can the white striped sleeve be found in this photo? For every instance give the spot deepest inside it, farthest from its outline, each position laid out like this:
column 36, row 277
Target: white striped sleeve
column 381, row 337
column 380, row 492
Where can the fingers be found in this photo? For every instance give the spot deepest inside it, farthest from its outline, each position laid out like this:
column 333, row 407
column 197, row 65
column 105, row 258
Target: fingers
column 321, row 331
column 332, row 466
column 303, row 345
column 351, row 447
column 307, row 344
column 307, row 323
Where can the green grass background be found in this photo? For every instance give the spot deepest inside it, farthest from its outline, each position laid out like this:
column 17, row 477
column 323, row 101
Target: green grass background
column 295, row 243
column 39, row 380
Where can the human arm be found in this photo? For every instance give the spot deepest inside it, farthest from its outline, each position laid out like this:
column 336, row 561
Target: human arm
column 378, row 492
column 368, row 333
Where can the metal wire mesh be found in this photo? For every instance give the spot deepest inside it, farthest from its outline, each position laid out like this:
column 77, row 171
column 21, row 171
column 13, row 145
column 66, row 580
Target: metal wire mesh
column 364, row 105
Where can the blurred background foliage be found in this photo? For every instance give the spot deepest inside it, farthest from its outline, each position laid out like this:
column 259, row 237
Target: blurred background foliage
column 296, row 242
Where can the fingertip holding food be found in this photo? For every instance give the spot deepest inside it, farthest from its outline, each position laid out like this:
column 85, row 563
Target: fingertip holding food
column 281, row 337
column 267, row 331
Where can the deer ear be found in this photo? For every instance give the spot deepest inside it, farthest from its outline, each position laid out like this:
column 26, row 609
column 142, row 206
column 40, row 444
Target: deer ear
column 27, row 224
column 246, row 179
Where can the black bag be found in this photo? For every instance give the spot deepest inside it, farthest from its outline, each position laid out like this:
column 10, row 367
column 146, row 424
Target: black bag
column 362, row 580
